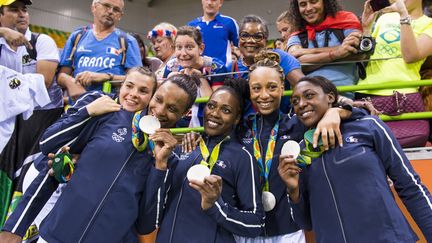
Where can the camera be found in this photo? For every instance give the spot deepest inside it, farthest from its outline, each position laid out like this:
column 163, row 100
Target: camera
column 367, row 45
column 379, row 4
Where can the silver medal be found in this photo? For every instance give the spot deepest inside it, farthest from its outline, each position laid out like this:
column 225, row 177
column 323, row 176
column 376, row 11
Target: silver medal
column 268, row 201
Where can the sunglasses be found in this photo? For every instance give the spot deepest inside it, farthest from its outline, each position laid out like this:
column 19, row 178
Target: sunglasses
column 257, row 36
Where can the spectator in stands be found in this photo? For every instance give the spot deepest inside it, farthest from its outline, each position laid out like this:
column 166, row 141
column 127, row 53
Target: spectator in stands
column 218, row 31
column 153, row 63
column 325, row 34
column 411, row 39
column 284, row 27
column 343, row 195
column 98, row 53
column 40, row 56
column 162, row 37
column 279, row 44
column 190, row 60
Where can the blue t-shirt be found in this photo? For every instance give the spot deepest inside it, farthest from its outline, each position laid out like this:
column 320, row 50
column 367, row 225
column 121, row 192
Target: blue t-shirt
column 100, row 56
column 341, row 74
column 288, row 64
column 217, row 35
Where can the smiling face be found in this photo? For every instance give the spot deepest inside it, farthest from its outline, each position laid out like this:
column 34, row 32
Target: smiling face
column 16, row 16
column 284, row 29
column 163, row 47
column 310, row 103
column 169, row 104
column 266, row 89
column 252, row 40
column 221, row 113
column 136, row 91
column 107, row 12
column 188, row 51
column 312, row 11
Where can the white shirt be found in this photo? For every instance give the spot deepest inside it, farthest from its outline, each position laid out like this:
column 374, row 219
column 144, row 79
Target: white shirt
column 19, row 93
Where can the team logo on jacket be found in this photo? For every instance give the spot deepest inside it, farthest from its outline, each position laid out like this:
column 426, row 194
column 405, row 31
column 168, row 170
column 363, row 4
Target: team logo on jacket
column 247, row 137
column 351, row 139
column 221, row 164
column 14, row 83
column 119, row 136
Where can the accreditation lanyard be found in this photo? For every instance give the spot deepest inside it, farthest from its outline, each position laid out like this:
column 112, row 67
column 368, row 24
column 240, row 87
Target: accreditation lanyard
column 136, row 134
column 265, row 168
column 209, row 160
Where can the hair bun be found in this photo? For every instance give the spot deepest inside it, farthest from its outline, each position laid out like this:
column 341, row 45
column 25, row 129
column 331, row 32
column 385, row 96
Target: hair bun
column 267, row 55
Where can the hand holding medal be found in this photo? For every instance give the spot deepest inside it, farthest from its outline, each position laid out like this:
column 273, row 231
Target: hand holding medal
column 210, row 189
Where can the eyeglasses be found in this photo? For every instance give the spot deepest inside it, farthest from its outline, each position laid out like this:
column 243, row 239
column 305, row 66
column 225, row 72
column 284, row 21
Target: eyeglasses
column 108, row 6
column 257, row 36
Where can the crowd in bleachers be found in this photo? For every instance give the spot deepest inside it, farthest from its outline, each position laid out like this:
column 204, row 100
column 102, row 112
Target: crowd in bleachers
column 87, row 154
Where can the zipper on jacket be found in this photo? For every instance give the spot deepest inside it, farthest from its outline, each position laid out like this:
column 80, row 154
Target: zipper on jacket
column 96, row 212
column 334, row 200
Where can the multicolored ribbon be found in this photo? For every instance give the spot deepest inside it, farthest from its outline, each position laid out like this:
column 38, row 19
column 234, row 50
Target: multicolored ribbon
column 136, row 134
column 210, row 160
column 265, row 168
column 309, row 152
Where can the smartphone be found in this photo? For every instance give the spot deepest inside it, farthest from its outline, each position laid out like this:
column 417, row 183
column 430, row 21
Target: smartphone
column 379, row 4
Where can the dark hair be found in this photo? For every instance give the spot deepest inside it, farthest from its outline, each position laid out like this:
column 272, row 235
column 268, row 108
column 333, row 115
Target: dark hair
column 326, row 85
column 331, row 7
column 239, row 87
column 187, row 83
column 192, row 32
column 144, row 71
column 270, row 59
column 254, row 19
column 145, row 61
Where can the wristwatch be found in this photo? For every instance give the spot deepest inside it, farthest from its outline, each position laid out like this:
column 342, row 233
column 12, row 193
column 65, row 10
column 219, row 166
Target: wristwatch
column 406, row 20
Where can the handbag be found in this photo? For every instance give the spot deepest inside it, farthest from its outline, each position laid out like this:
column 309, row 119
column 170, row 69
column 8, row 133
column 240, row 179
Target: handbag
column 409, row 133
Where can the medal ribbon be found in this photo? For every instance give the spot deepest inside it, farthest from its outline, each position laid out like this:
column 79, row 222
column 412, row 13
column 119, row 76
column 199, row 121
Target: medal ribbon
column 309, row 152
column 136, row 134
column 265, row 168
column 210, row 162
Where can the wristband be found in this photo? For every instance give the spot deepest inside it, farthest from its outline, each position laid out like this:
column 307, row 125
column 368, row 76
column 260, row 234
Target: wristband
column 63, row 167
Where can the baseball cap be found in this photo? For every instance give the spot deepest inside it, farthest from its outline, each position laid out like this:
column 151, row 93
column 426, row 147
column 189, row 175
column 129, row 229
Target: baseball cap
column 9, row 2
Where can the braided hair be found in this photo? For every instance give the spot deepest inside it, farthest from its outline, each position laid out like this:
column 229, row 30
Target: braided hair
column 270, row 59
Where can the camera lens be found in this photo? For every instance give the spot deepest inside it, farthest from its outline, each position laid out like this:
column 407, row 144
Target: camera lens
column 366, row 45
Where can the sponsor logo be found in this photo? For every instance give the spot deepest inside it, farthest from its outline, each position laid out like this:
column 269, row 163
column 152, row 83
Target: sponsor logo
column 14, row 83
column 81, row 48
column 217, row 27
column 351, row 139
column 118, row 137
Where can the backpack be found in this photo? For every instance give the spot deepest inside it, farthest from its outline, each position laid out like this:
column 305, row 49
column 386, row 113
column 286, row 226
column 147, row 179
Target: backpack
column 340, row 37
column 83, row 30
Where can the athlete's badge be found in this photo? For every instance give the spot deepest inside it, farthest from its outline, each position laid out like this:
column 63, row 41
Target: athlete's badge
column 14, row 83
